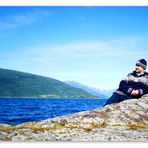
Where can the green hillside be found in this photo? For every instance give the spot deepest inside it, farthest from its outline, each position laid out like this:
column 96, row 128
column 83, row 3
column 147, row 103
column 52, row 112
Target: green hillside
column 20, row 84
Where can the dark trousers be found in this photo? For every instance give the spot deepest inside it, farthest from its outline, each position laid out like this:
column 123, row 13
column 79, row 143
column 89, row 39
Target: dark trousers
column 116, row 98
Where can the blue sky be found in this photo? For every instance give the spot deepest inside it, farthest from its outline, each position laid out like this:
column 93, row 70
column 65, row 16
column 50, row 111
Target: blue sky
column 96, row 46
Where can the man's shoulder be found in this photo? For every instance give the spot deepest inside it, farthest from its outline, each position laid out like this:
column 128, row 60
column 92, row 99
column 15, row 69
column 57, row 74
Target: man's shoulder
column 131, row 74
column 135, row 75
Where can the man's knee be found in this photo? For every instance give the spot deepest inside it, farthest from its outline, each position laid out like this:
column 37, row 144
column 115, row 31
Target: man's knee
column 115, row 98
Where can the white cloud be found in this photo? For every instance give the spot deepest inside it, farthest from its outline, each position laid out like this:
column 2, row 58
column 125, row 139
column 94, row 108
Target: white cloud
column 25, row 18
column 81, row 52
column 85, row 50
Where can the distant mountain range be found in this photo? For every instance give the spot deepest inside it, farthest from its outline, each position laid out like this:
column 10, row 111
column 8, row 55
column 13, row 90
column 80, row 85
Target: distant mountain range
column 19, row 84
column 108, row 93
column 91, row 90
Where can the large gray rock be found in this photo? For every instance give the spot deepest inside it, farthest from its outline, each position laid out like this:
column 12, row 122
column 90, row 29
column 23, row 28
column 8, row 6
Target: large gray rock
column 125, row 121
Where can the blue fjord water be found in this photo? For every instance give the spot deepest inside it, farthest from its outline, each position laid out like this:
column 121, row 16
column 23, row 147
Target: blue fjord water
column 19, row 110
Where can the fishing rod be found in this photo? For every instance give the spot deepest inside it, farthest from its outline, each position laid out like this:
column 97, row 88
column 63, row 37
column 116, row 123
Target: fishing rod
column 50, row 107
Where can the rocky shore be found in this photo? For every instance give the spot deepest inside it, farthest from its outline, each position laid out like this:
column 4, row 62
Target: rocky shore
column 125, row 121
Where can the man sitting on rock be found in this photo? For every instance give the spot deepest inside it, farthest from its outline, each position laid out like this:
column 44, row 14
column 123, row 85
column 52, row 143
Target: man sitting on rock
column 134, row 85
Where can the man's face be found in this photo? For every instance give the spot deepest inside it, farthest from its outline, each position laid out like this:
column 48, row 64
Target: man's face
column 139, row 69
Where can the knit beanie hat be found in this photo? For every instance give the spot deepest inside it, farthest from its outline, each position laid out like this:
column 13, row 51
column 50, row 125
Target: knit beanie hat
column 142, row 63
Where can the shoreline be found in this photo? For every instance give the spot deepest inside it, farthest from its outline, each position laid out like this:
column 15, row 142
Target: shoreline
column 45, row 98
column 125, row 121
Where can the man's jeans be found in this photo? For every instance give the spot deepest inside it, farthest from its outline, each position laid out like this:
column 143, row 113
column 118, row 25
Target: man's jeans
column 116, row 98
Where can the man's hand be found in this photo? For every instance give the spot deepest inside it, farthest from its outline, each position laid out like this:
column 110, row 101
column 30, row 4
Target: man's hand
column 135, row 93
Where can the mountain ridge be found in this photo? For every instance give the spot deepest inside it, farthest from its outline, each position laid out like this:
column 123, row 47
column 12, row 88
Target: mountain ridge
column 89, row 89
column 15, row 83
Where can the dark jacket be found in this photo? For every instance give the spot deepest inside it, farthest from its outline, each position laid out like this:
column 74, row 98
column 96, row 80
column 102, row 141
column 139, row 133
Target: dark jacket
column 134, row 81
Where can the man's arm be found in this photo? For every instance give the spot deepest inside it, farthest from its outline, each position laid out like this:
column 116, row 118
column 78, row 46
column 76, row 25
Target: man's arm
column 124, row 87
column 143, row 91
